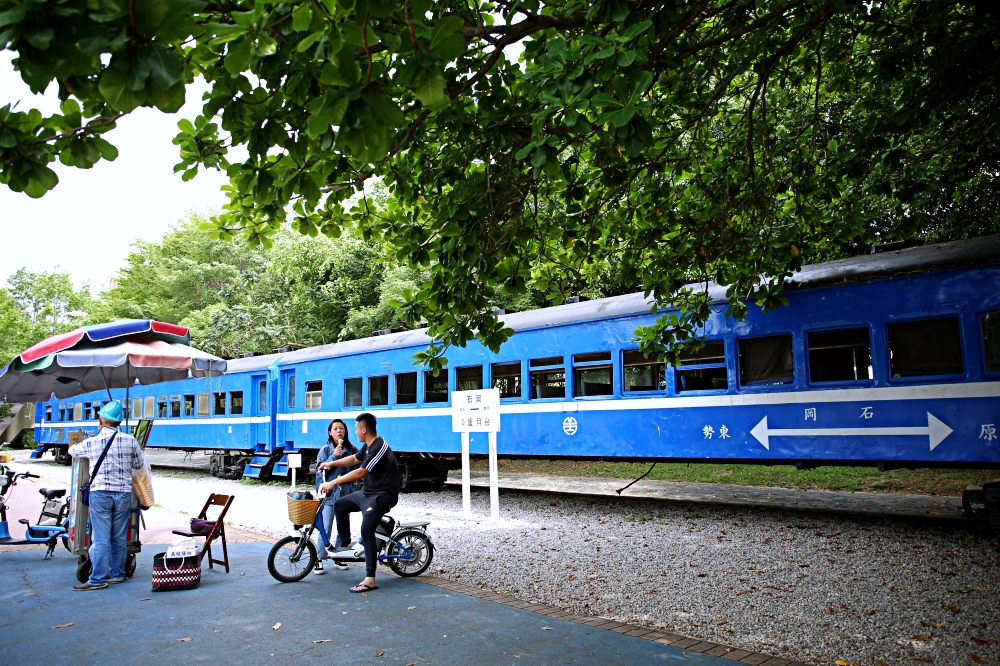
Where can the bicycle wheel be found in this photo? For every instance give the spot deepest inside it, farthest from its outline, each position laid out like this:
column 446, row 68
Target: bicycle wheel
column 421, row 553
column 65, row 542
column 291, row 559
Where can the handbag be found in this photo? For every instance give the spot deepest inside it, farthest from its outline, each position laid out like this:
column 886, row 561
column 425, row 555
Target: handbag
column 85, row 490
column 175, row 573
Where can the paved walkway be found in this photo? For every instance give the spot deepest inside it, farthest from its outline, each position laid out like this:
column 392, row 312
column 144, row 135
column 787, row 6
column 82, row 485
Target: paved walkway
column 246, row 616
column 877, row 504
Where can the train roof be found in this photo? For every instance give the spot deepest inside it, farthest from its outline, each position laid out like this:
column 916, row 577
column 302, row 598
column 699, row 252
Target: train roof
column 939, row 256
column 261, row 362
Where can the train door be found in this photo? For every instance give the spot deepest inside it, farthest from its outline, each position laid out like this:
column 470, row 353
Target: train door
column 261, row 426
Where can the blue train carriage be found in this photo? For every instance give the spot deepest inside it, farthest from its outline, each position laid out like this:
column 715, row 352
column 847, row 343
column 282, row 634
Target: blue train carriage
column 890, row 359
column 227, row 417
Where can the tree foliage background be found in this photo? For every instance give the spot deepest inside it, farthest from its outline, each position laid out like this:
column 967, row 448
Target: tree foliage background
column 668, row 142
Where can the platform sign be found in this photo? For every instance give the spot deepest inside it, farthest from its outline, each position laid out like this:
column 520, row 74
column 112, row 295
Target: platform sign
column 475, row 411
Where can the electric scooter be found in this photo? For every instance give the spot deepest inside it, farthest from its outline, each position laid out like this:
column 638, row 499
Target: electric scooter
column 52, row 522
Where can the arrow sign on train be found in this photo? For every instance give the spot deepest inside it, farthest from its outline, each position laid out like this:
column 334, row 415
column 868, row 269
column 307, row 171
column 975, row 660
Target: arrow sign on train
column 935, row 430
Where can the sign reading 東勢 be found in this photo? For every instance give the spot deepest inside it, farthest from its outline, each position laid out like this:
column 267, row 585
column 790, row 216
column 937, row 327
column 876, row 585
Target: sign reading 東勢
column 475, row 411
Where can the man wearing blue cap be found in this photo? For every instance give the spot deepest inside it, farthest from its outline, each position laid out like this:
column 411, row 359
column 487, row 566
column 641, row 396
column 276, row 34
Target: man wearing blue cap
column 110, row 496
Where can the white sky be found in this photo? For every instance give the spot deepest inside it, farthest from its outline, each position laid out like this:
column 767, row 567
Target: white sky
column 87, row 224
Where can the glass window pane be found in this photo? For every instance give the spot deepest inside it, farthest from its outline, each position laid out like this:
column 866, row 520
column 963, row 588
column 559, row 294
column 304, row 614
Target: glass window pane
column 643, row 373
column 766, row 360
column 314, row 394
column 378, row 390
column 702, row 379
column 548, row 384
column 220, row 404
column 593, row 380
column 48, row 413
column 262, row 396
column 204, row 400
column 507, row 378
column 291, row 389
column 991, row 340
column 148, row 404
column 436, row 388
column 712, row 352
column 62, row 412
column 591, row 358
column 86, row 411
column 352, row 392
column 930, row 347
column 189, row 405
column 175, row 406
column 469, row 379
column 236, row 402
column 843, row 355
column 161, row 407
column 78, row 412
column 542, row 362
column 406, row 388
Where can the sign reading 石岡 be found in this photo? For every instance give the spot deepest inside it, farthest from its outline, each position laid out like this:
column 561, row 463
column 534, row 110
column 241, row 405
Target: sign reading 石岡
column 475, row 411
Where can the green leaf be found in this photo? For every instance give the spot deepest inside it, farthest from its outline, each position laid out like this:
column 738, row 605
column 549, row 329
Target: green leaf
column 11, row 16
column 370, row 142
column 308, row 41
column 114, row 87
column 7, row 138
column 39, row 34
column 332, row 113
column 302, row 17
column 447, row 44
column 238, row 55
column 603, row 99
column 636, row 29
column 41, row 180
column 164, row 68
column 641, row 83
column 344, row 70
column 149, row 15
column 428, row 87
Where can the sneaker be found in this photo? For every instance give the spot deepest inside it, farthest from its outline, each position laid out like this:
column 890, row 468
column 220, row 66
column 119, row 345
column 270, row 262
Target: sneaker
column 82, row 587
column 115, row 581
column 341, row 565
column 318, row 569
column 343, row 551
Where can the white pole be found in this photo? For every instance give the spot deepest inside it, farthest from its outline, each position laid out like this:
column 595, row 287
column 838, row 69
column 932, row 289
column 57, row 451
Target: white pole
column 293, row 478
column 466, row 481
column 494, row 480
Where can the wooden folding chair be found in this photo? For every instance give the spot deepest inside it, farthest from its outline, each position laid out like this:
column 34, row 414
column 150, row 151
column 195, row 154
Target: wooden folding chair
column 218, row 530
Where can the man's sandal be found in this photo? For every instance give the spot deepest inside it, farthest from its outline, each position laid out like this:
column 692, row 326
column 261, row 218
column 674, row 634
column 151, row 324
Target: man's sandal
column 361, row 587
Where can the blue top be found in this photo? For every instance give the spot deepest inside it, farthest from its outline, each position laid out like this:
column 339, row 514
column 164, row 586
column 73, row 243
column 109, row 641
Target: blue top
column 326, row 453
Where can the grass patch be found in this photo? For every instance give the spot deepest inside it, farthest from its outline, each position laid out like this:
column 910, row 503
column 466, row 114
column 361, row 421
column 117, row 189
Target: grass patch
column 950, row 482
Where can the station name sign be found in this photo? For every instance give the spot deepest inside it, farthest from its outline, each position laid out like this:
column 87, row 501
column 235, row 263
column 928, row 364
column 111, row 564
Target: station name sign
column 475, row 411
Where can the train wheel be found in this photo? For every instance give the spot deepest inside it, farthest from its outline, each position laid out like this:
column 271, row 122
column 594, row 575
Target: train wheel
column 421, row 554
column 83, row 568
column 291, row 559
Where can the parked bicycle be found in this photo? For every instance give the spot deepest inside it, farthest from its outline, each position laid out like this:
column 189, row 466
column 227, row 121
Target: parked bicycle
column 52, row 524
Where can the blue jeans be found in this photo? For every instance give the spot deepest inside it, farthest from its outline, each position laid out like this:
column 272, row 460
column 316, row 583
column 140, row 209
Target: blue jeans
column 108, row 534
column 327, row 518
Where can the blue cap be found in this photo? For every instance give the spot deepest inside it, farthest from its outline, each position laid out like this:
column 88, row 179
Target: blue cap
column 111, row 411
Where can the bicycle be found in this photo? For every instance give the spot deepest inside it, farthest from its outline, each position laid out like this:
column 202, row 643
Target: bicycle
column 53, row 522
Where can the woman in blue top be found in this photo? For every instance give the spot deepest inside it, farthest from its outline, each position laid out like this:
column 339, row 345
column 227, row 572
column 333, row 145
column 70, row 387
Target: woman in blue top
column 337, row 446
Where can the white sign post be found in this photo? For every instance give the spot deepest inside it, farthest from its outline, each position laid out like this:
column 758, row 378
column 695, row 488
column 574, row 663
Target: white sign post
column 294, row 462
column 477, row 411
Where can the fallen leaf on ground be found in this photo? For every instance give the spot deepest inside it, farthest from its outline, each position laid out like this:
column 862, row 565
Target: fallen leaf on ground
column 62, row 626
column 277, row 626
column 984, row 641
column 843, row 662
column 186, row 639
column 719, row 623
column 976, row 658
column 547, row 629
column 701, row 575
column 952, row 608
column 323, row 640
column 881, row 663
column 742, row 592
column 380, row 653
column 146, row 599
column 411, row 608
column 921, row 637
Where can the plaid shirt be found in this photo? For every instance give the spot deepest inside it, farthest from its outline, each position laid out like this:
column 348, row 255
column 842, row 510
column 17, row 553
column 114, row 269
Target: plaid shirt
column 124, row 456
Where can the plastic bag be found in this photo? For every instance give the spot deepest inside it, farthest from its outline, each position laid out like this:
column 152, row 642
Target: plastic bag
column 142, row 484
column 186, row 547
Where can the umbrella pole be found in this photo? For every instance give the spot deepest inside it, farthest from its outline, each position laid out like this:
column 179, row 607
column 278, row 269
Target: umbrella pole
column 128, row 405
column 106, row 387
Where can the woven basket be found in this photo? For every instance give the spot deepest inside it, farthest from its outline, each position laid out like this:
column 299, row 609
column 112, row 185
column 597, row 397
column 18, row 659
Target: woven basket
column 143, row 487
column 302, row 512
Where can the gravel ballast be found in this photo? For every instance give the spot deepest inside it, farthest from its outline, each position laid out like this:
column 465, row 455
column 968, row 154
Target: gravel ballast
column 809, row 587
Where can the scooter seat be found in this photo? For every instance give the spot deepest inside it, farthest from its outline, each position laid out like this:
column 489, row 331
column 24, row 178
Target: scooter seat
column 52, row 494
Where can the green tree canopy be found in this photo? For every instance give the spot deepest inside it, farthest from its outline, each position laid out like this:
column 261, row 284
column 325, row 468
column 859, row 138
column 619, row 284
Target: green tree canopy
column 683, row 140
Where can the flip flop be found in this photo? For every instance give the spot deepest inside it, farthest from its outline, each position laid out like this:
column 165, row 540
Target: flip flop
column 361, row 587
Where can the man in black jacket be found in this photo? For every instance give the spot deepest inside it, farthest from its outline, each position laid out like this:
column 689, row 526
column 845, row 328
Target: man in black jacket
column 379, row 493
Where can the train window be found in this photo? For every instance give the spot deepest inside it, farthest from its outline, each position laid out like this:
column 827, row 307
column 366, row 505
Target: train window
column 262, row 396
column 62, row 412
column 219, row 400
column 406, row 388
column 86, row 411
column 766, row 360
column 78, row 411
column 352, row 392
column 469, row 379
column 991, row 340
column 436, row 388
column 204, row 406
column 189, row 404
column 148, row 403
column 929, row 347
column 844, row 355
column 703, row 370
column 507, row 378
column 161, row 407
column 643, row 373
column 314, row 394
column 235, row 402
column 548, row 383
column 378, row 390
column 48, row 413
column 592, row 374
column 175, row 406
column 290, row 379
column 137, row 407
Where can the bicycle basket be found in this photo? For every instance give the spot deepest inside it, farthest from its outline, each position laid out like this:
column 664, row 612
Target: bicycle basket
column 302, row 512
